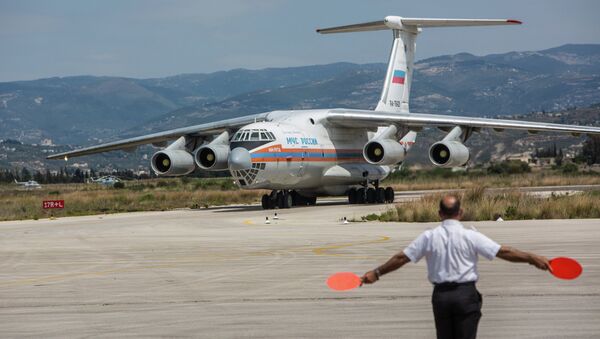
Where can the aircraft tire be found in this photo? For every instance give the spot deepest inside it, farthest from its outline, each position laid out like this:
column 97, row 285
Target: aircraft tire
column 380, row 195
column 288, row 201
column 360, row 196
column 295, row 198
column 280, row 199
column 389, row 195
column 352, row 196
column 312, row 201
column 371, row 198
column 265, row 201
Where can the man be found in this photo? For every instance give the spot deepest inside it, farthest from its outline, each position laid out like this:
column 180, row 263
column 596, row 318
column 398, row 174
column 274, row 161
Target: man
column 451, row 252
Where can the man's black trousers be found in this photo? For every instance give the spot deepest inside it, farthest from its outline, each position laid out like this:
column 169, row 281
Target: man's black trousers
column 457, row 310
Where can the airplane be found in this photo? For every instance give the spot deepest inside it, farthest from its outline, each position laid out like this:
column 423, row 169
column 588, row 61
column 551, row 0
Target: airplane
column 107, row 180
column 302, row 154
column 31, row 184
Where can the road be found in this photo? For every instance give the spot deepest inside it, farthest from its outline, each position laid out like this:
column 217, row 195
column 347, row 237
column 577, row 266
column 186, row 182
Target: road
column 224, row 273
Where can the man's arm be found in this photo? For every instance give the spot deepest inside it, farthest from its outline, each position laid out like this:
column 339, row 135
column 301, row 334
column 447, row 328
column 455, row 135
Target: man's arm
column 391, row 265
column 515, row 255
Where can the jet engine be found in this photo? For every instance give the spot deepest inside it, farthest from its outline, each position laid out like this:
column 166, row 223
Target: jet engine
column 384, row 152
column 214, row 156
column 174, row 160
column 448, row 153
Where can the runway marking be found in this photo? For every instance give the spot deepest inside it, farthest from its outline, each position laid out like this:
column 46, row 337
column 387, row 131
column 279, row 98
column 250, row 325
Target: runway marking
column 248, row 222
column 325, row 249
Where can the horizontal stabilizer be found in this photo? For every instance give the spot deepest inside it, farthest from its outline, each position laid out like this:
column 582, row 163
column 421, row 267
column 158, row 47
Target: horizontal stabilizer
column 397, row 22
column 419, row 22
column 366, row 26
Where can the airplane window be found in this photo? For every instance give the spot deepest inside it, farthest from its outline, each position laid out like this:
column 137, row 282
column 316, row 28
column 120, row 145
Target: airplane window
column 254, row 136
column 263, row 136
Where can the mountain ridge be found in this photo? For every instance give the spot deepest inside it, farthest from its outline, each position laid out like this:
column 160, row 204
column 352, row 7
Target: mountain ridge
column 90, row 109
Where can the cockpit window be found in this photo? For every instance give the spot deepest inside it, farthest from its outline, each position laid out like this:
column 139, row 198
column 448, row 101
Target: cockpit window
column 253, row 135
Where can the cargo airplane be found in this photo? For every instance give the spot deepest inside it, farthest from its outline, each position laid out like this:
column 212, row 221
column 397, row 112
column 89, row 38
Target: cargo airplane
column 303, row 154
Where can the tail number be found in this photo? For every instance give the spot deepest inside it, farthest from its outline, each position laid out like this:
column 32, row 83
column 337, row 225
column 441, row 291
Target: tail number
column 395, row 103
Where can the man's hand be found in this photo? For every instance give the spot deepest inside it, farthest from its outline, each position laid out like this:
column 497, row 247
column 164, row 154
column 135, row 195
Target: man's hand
column 369, row 278
column 540, row 262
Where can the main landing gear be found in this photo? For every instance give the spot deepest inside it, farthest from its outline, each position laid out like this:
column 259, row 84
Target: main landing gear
column 371, row 195
column 286, row 199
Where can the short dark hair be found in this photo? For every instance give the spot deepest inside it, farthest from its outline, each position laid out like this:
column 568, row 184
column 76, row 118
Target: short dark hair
column 452, row 209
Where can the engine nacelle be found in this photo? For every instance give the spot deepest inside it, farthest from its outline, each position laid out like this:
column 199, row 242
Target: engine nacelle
column 448, row 153
column 212, row 157
column 173, row 162
column 384, row 152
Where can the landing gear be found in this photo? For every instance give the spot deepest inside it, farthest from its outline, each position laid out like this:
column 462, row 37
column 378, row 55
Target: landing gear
column 380, row 195
column 265, row 201
column 370, row 195
column 389, row 195
column 285, row 199
column 352, row 196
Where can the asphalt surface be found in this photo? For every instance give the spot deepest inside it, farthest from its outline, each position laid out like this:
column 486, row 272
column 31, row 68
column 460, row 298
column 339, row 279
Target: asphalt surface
column 224, row 273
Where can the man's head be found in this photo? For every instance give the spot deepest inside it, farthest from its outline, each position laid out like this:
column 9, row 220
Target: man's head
column 450, row 207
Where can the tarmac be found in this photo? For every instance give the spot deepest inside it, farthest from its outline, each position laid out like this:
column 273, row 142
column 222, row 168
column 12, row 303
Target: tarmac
column 224, row 273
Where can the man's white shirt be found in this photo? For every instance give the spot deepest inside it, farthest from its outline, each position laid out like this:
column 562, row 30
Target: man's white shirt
column 451, row 252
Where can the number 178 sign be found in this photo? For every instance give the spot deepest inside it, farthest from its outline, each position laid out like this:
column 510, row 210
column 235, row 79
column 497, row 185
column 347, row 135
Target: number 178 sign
column 49, row 204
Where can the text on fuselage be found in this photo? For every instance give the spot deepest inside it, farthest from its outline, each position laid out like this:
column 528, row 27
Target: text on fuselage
column 301, row 141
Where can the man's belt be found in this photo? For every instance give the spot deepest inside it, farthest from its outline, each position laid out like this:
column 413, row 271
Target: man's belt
column 453, row 285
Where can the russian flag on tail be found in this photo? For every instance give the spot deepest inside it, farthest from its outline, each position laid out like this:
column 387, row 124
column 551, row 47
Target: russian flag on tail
column 398, row 77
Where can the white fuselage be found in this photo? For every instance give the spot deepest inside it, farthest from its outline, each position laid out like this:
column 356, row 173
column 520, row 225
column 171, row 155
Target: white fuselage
column 300, row 151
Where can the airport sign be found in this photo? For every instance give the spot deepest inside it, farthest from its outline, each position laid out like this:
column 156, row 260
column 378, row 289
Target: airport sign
column 50, row 204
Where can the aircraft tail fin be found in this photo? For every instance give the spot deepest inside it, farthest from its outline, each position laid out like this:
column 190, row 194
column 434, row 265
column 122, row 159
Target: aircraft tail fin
column 396, row 87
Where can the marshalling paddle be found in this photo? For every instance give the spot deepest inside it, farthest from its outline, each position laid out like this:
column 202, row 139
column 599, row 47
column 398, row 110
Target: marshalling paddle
column 343, row 281
column 565, row 268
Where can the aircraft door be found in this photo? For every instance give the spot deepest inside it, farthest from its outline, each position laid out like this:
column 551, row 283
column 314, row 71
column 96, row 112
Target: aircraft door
column 302, row 164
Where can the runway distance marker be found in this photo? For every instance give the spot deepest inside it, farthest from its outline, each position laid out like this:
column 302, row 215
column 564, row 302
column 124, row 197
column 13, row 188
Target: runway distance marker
column 343, row 281
column 565, row 268
column 51, row 204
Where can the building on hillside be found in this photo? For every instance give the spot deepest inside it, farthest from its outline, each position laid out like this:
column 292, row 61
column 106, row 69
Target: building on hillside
column 525, row 157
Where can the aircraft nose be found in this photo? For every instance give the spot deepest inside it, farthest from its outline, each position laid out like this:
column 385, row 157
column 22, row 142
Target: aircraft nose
column 239, row 159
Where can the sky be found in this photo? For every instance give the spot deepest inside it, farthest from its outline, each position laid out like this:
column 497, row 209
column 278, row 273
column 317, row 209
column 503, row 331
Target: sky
column 156, row 38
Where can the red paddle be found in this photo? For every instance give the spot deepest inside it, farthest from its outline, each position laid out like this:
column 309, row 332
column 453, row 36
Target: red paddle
column 565, row 268
column 343, row 281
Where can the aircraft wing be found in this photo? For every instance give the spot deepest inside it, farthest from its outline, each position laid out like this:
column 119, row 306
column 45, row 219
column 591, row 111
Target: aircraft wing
column 202, row 130
column 364, row 118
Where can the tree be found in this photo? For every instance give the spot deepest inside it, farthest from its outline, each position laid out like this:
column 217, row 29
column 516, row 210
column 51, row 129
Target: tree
column 39, row 177
column 509, row 167
column 591, row 150
column 25, row 174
